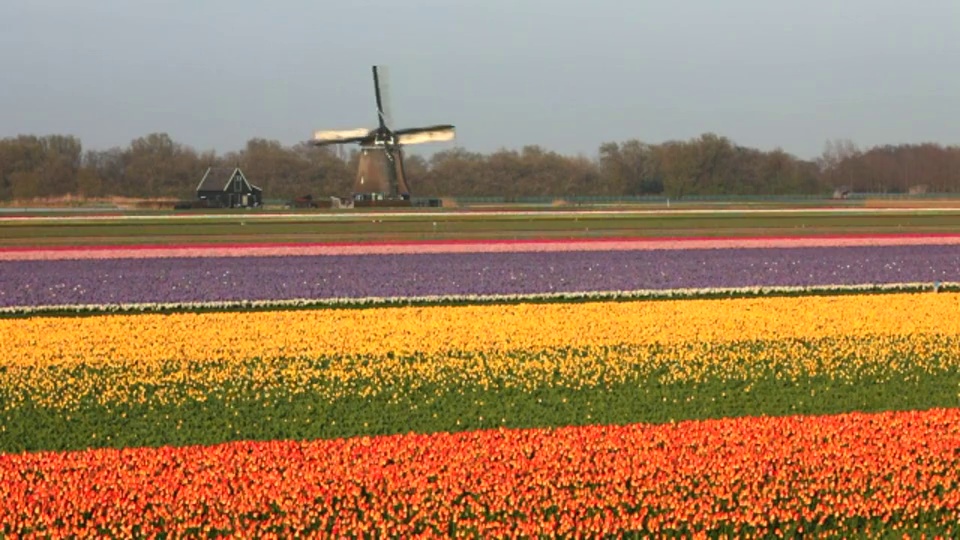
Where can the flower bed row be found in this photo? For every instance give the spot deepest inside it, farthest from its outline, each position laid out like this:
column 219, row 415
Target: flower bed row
column 379, row 331
column 457, row 299
column 187, row 378
column 464, row 246
column 185, row 403
column 338, row 277
column 828, row 476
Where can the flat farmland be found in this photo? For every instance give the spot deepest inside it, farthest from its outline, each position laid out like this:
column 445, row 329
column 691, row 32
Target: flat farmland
column 233, row 228
column 697, row 372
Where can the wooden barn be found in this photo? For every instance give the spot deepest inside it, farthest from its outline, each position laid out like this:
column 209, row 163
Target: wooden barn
column 225, row 187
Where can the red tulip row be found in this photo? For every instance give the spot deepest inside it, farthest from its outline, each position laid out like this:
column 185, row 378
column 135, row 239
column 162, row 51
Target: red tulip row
column 749, row 476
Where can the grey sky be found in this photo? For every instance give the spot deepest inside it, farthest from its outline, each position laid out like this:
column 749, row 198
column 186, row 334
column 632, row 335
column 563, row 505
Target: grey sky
column 565, row 74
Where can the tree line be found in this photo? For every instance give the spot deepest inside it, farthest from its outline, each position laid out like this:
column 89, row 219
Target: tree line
column 157, row 166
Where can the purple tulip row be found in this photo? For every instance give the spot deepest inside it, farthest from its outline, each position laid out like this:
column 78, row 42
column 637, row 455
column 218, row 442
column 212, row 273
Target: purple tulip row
column 36, row 283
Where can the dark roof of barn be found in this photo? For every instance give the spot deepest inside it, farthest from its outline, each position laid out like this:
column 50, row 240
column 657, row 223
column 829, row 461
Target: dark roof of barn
column 218, row 179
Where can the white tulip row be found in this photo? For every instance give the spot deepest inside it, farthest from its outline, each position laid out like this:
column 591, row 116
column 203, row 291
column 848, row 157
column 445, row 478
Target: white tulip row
column 641, row 294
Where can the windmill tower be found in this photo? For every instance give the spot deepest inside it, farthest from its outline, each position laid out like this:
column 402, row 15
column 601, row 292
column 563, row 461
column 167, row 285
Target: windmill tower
column 380, row 174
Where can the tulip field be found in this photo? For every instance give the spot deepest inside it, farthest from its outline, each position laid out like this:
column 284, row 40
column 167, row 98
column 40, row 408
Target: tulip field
column 668, row 387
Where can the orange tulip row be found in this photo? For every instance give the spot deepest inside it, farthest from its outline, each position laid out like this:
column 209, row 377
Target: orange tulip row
column 747, row 476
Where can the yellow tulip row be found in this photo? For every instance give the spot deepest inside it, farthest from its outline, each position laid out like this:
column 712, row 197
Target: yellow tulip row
column 151, row 338
column 57, row 362
column 838, row 359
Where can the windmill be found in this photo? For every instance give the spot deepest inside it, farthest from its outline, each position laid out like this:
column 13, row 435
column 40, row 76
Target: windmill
column 380, row 174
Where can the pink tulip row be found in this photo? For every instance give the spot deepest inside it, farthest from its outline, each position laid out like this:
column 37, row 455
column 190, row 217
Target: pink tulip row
column 464, row 246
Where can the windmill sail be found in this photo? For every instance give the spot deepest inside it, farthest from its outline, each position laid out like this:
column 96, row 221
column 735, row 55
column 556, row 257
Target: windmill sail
column 425, row 134
column 376, row 89
column 340, row 136
column 386, row 105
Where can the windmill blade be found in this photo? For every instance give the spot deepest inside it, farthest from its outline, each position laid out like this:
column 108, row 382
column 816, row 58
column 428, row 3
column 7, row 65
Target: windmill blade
column 398, row 177
column 425, row 134
column 376, row 91
column 403, row 188
column 392, row 170
column 339, row 136
column 385, row 101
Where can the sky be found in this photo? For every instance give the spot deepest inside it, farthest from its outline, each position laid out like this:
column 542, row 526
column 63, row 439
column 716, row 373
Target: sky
column 567, row 75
